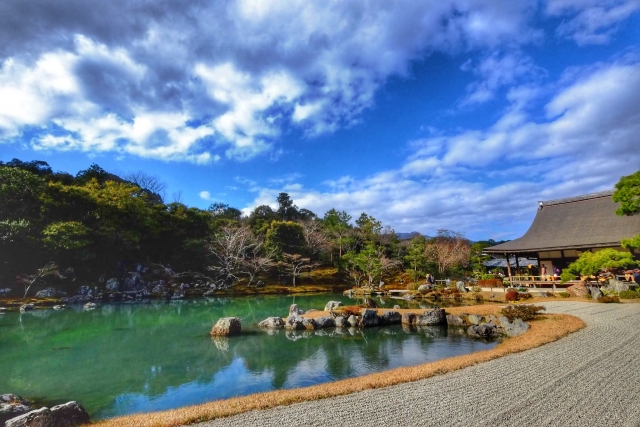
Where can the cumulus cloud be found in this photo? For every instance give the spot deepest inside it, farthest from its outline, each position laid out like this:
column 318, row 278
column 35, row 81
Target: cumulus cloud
column 473, row 180
column 205, row 195
column 196, row 82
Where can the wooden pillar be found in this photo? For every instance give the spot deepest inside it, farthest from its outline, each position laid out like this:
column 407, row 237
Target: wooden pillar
column 508, row 266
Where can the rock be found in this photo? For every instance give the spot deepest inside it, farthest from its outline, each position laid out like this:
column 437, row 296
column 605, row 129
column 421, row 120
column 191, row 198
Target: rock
column 396, row 307
column 424, row 288
column 59, row 307
column 540, row 294
column 370, row 318
column 227, row 326
column 69, row 414
column 46, row 293
column 12, row 406
column 486, row 330
column 369, row 303
column 294, row 310
column 272, row 323
column 616, row 285
column 209, row 293
column 26, row 307
column 432, row 317
column 460, row 287
column 325, row 322
column 408, row 319
column 455, row 320
column 332, row 305
column 474, row 319
column 341, row 322
column 294, row 322
column 113, row 285
column 158, row 289
column 391, row 318
column 353, row 321
column 515, row 328
column 309, row 324
column 5, row 291
column 578, row 290
column 595, row 292
column 36, row 418
column 90, row 306
column 408, row 296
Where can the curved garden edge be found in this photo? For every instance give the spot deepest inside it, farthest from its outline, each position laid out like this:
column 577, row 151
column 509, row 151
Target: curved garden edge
column 546, row 329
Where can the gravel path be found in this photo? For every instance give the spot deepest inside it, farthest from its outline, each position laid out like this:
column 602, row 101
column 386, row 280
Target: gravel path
column 591, row 378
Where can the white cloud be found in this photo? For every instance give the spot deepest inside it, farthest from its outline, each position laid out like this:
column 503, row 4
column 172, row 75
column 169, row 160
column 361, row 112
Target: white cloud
column 205, row 195
column 476, row 181
column 592, row 21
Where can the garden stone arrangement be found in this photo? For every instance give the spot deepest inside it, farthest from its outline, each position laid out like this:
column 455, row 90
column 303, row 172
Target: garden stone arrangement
column 18, row 412
column 475, row 326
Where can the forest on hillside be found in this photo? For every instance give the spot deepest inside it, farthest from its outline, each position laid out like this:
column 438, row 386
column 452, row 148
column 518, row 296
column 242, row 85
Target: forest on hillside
column 97, row 225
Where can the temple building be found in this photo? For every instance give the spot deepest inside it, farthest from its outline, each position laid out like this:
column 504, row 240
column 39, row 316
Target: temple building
column 565, row 228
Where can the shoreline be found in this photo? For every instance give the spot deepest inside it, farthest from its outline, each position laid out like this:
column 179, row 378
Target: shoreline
column 548, row 328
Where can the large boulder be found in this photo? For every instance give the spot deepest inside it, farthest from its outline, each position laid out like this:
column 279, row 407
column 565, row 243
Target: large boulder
column 455, row 320
column 46, row 293
column 515, row 328
column 486, row 330
column 12, row 406
column 69, row 414
column 272, row 323
column 113, row 285
column 341, row 322
column 578, row 290
column 408, row 319
column 617, row 286
column 90, row 306
column 391, row 318
column 353, row 321
column 227, row 326
column 332, row 305
column 424, row 288
column 370, row 318
column 294, row 322
column 595, row 293
column 432, row 317
column 324, row 322
column 294, row 310
column 460, row 287
column 36, row 418
column 475, row 319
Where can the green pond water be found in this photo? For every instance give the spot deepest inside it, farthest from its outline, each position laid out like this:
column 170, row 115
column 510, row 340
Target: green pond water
column 126, row 358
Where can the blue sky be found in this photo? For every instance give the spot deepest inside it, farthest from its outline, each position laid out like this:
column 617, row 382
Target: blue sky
column 426, row 115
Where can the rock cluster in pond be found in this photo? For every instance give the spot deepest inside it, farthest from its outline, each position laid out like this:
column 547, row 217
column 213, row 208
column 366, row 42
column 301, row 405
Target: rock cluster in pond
column 226, row 327
column 66, row 415
column 11, row 406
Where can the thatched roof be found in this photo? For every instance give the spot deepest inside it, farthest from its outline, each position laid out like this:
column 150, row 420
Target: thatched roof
column 587, row 221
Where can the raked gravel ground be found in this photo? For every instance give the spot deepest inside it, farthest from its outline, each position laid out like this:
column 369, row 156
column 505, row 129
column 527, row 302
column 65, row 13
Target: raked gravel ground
column 590, row 378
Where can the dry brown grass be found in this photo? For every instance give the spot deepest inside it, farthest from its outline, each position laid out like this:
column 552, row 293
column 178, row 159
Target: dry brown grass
column 546, row 329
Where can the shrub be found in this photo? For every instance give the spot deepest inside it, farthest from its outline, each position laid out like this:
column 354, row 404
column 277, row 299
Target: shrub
column 511, row 295
column 478, row 297
column 524, row 312
column 434, row 295
column 413, row 286
column 551, row 294
column 608, row 299
column 628, row 294
column 564, row 294
column 476, row 289
column 524, row 295
column 349, row 310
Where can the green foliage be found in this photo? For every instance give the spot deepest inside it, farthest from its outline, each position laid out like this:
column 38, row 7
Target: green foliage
column 628, row 194
column 564, row 294
column 631, row 243
column 567, row 276
column 609, row 299
column 286, row 237
column 628, row 294
column 591, row 263
column 65, row 235
column 525, row 312
column 14, row 231
column 476, row 289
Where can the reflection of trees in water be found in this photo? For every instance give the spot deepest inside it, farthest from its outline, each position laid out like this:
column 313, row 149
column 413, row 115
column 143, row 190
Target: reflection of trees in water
column 96, row 356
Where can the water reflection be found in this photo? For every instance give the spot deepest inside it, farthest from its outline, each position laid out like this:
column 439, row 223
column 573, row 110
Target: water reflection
column 128, row 358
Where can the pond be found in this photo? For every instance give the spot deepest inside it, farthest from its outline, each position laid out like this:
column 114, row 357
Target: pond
column 125, row 358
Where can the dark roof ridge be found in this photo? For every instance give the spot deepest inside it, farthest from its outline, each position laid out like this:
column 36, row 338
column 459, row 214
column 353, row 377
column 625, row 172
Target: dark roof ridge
column 606, row 193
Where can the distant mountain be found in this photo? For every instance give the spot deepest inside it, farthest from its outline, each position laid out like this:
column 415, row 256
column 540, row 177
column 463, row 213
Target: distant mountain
column 407, row 236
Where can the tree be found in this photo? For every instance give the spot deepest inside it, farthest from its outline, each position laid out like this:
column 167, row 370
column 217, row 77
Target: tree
column 371, row 261
column 337, row 222
column 369, row 226
column 628, row 194
column 295, row 264
column 416, row 257
column 20, row 192
column 285, row 237
column 448, row 250
column 148, row 182
column 287, row 211
column 314, row 235
column 261, row 218
column 49, row 269
column 238, row 252
column 593, row 263
column 222, row 210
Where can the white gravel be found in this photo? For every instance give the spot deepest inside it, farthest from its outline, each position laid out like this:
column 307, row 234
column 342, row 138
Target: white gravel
column 590, row 378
